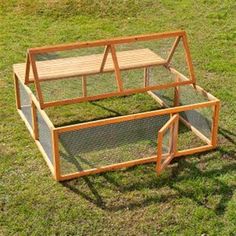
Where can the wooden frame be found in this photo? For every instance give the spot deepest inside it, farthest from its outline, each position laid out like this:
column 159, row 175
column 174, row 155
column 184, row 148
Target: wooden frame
column 37, row 104
column 172, row 124
column 56, row 131
column 109, row 45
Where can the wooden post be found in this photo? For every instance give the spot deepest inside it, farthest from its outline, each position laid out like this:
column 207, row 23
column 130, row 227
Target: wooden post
column 159, row 152
column 117, row 69
column 176, row 95
column 27, row 68
column 17, row 92
column 215, row 124
column 146, row 76
column 84, row 85
column 56, row 155
column 175, row 135
column 34, row 120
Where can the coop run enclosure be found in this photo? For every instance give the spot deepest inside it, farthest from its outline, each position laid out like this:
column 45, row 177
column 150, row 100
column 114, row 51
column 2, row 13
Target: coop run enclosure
column 130, row 100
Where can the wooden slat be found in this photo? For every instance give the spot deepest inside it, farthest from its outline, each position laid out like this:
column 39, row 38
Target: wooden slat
column 104, row 42
column 90, row 64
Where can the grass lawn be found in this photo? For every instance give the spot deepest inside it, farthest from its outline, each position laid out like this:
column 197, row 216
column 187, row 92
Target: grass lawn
column 196, row 196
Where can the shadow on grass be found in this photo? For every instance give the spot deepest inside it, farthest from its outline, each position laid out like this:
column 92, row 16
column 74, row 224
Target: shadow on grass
column 228, row 135
column 121, row 186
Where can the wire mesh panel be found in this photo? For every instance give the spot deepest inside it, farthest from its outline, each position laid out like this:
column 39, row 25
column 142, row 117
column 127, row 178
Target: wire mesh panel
column 101, row 109
column 201, row 119
column 166, row 95
column 45, row 136
column 109, row 144
column 178, row 61
column 25, row 103
column 189, row 95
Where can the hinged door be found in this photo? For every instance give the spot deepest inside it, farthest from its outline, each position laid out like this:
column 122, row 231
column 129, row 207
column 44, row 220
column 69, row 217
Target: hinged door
column 167, row 143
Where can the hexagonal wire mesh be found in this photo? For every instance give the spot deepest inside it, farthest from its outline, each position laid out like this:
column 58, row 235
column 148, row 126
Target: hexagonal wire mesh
column 96, row 84
column 45, row 136
column 109, row 144
column 25, row 103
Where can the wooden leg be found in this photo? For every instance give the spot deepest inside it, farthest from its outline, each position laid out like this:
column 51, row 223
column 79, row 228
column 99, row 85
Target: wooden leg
column 176, row 96
column 34, row 120
column 17, row 92
column 215, row 124
column 146, row 77
column 84, row 86
column 56, row 156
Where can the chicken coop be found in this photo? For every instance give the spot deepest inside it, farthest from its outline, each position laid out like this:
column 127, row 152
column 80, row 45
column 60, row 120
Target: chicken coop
column 109, row 104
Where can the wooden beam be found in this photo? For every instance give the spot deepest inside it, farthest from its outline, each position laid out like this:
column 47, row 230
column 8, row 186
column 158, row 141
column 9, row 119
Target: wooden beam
column 36, row 80
column 188, row 58
column 177, row 93
column 17, row 92
column 107, row 95
column 134, row 116
column 146, row 77
column 34, row 120
column 159, row 152
column 215, row 124
column 117, row 69
column 172, row 51
column 175, row 134
column 27, row 69
column 108, row 168
column 191, row 151
column 84, row 85
column 104, row 42
column 105, row 54
column 56, row 155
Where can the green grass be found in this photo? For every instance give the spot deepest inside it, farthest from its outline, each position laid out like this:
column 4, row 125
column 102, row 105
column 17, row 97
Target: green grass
column 195, row 196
